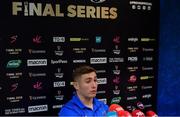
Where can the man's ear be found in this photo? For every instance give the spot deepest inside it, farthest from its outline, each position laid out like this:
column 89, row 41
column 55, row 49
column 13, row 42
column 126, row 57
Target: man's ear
column 76, row 85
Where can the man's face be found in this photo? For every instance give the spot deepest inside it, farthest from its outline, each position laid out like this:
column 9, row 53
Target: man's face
column 87, row 85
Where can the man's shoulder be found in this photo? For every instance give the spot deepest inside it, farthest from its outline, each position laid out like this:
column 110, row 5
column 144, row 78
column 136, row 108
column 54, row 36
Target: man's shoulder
column 68, row 109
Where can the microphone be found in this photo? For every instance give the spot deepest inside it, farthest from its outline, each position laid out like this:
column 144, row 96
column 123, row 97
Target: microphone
column 124, row 113
column 112, row 114
column 115, row 107
column 151, row 113
column 137, row 113
column 119, row 110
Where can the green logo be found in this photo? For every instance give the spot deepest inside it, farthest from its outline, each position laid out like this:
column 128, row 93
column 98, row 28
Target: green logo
column 115, row 100
column 13, row 64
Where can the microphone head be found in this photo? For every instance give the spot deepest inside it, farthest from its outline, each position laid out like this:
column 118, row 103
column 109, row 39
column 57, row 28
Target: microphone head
column 151, row 113
column 137, row 113
column 115, row 107
column 123, row 113
column 112, row 114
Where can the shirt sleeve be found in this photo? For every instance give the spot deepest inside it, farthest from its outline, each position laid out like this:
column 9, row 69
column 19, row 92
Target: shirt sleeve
column 67, row 112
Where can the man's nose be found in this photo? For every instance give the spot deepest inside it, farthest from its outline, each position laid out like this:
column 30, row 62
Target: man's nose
column 94, row 84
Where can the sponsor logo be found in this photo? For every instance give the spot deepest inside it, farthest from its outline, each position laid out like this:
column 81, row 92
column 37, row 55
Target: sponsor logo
column 146, row 77
column 147, row 39
column 14, row 75
column 37, row 108
column 116, row 40
column 133, row 39
column 57, row 106
column 116, row 91
column 13, row 39
column 132, row 69
column 130, row 108
column 116, row 80
column 98, row 39
column 101, row 92
column 116, row 60
column 131, row 98
column 146, row 96
column 97, row 1
column 116, row 50
column 103, row 100
column 58, row 52
column 37, row 74
column 100, row 60
column 132, row 88
column 102, row 81
column 100, row 71
column 146, row 87
column 59, row 84
column 76, row 39
column 14, row 99
column 98, row 50
column 59, row 39
column 147, row 68
column 59, row 74
column 37, row 62
column 140, row 5
column 132, row 79
column 133, row 49
column 79, row 61
column 116, row 71
column 133, row 59
column 14, row 51
column 140, row 105
column 148, row 49
column 147, row 105
column 37, row 85
column 31, row 98
column 116, row 100
column 59, row 97
column 147, row 58
column 14, row 87
column 13, row 111
column 60, row 61
column 37, row 39
column 79, row 50
column 32, row 51
column 13, row 64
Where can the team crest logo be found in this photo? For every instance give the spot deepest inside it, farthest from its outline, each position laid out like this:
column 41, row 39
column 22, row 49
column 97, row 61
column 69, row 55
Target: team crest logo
column 98, row 1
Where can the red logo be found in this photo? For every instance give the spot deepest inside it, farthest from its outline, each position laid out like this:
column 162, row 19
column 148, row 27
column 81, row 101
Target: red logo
column 38, row 85
column 13, row 39
column 116, row 80
column 37, row 39
column 132, row 79
column 14, row 87
column 116, row 40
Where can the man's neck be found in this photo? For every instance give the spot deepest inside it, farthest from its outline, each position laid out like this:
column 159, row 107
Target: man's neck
column 86, row 101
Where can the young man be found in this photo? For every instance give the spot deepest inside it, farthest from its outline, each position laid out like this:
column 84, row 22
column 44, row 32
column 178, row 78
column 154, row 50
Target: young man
column 84, row 103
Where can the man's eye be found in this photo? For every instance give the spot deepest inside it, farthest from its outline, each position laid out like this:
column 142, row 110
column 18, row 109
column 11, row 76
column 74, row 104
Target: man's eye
column 88, row 81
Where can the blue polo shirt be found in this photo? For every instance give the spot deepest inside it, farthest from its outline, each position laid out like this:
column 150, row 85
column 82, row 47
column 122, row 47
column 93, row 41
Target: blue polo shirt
column 76, row 108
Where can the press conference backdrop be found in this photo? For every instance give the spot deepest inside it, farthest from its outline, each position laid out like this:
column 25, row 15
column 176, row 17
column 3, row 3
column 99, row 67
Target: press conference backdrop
column 42, row 41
